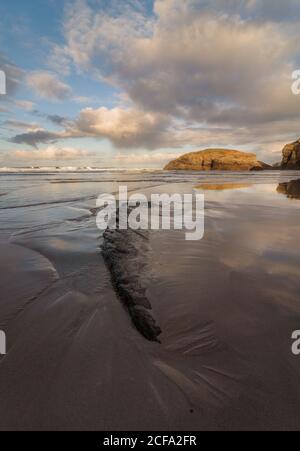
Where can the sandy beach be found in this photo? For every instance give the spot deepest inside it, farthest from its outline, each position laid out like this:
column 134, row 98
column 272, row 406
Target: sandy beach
column 226, row 307
column 149, row 218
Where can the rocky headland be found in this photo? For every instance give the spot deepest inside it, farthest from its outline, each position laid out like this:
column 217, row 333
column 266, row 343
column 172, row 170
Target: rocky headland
column 291, row 156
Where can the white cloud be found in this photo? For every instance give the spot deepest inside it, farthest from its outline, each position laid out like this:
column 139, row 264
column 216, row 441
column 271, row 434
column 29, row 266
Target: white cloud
column 197, row 63
column 146, row 158
column 123, row 127
column 50, row 153
column 24, row 105
column 48, row 86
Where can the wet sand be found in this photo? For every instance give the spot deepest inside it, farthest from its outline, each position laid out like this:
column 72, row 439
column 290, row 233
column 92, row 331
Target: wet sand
column 226, row 307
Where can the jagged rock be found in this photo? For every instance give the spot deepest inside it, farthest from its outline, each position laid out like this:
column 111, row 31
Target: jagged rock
column 291, row 156
column 124, row 252
column 217, row 159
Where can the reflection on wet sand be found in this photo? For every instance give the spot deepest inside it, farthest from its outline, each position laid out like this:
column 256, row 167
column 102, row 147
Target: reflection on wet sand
column 222, row 186
column 230, row 303
column 290, row 189
column 226, row 306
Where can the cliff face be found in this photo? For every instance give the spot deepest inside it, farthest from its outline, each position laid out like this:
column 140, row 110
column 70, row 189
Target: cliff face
column 291, row 156
column 217, row 160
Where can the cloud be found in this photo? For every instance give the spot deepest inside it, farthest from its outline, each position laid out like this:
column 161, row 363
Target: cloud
column 193, row 64
column 33, row 138
column 123, row 127
column 48, row 86
column 50, row 153
column 194, row 73
column 134, row 129
column 255, row 10
column 20, row 125
column 146, row 158
column 24, row 105
column 57, row 120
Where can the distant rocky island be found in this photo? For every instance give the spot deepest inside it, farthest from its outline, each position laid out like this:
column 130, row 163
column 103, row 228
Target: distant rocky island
column 234, row 160
column 217, row 160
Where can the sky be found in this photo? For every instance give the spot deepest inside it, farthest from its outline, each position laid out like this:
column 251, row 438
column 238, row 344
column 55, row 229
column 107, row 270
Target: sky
column 136, row 83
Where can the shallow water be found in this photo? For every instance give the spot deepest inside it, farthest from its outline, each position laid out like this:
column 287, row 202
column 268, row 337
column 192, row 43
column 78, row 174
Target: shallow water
column 230, row 302
column 227, row 306
column 29, row 200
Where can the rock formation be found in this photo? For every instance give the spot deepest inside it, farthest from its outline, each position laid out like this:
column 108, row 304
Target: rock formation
column 290, row 189
column 217, row 159
column 291, row 156
column 124, row 252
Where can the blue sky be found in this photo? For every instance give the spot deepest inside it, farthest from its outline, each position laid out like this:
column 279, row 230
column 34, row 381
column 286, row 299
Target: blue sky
column 28, row 29
column 138, row 82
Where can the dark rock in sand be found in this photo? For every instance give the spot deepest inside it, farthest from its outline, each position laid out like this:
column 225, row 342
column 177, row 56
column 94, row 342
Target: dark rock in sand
column 291, row 156
column 124, row 252
column 217, row 160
